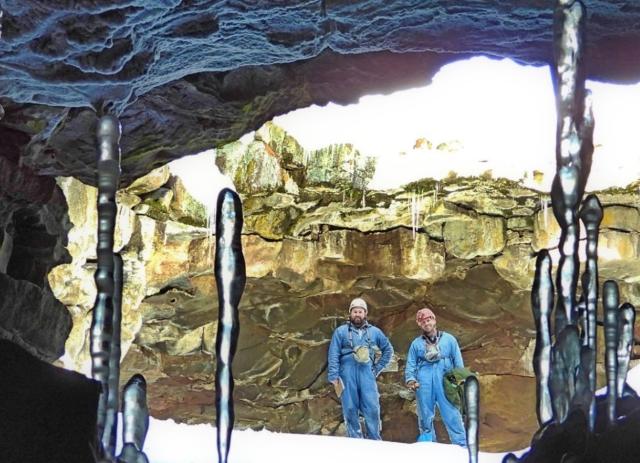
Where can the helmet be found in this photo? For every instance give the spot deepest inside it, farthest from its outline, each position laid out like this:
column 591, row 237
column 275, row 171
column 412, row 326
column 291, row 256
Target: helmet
column 424, row 313
column 358, row 302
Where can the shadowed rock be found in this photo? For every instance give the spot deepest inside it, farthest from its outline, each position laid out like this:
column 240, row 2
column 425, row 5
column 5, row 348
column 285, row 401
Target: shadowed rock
column 48, row 414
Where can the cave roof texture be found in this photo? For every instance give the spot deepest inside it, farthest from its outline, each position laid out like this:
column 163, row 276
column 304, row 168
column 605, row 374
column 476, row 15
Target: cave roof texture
column 189, row 75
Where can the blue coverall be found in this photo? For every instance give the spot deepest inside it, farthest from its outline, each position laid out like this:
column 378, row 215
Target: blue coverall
column 360, row 393
column 431, row 391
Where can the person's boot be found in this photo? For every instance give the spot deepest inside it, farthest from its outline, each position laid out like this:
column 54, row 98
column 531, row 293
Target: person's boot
column 425, row 437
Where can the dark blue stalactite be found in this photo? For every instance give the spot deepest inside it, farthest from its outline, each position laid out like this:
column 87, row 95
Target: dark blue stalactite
column 230, row 280
column 574, row 149
column 108, row 165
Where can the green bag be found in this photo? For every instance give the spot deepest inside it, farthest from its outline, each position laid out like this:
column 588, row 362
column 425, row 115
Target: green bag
column 454, row 386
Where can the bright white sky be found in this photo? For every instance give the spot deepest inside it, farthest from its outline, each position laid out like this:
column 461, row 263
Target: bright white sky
column 168, row 442
column 502, row 114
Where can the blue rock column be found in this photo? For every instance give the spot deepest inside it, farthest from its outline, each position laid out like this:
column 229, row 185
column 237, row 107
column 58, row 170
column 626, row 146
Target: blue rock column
column 102, row 324
column 591, row 216
column 627, row 319
column 230, row 280
column 610, row 301
column 574, row 148
column 542, row 305
column 113, row 396
column 472, row 418
column 135, row 421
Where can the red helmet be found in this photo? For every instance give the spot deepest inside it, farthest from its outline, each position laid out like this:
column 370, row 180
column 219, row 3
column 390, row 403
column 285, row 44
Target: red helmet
column 423, row 314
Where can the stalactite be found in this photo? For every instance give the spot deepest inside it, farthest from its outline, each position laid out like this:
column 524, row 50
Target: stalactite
column 135, row 417
column 627, row 318
column 108, row 134
column 472, row 402
column 574, row 148
column 230, row 280
column 542, row 304
column 591, row 216
column 113, row 402
column 610, row 300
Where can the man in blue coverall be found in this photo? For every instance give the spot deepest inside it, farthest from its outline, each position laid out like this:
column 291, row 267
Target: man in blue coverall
column 353, row 369
column 430, row 356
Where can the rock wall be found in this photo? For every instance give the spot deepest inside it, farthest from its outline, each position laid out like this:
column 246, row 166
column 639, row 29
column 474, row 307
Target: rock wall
column 466, row 245
column 33, row 236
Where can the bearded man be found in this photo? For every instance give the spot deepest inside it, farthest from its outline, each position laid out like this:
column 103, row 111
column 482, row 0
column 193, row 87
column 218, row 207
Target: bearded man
column 430, row 356
column 353, row 370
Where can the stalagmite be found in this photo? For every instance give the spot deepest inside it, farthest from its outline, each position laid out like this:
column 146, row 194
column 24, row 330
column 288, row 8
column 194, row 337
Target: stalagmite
column 135, row 420
column 610, row 302
column 591, row 216
column 108, row 134
column 584, row 397
column 230, row 280
column 113, row 402
column 627, row 318
column 472, row 402
column 565, row 360
column 542, row 304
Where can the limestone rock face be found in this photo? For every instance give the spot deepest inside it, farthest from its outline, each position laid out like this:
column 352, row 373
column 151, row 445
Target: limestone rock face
column 471, row 237
column 275, row 161
column 339, row 165
column 471, row 255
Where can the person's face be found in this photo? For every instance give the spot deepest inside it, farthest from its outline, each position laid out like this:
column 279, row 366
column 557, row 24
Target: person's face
column 428, row 324
column 357, row 316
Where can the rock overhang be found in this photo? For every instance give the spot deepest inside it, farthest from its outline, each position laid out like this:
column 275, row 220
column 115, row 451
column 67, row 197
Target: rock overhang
column 79, row 54
column 185, row 76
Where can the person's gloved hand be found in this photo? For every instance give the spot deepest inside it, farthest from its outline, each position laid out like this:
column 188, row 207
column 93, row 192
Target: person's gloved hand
column 413, row 385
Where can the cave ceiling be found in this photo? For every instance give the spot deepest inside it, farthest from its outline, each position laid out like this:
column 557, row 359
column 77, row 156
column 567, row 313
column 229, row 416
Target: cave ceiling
column 185, row 76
